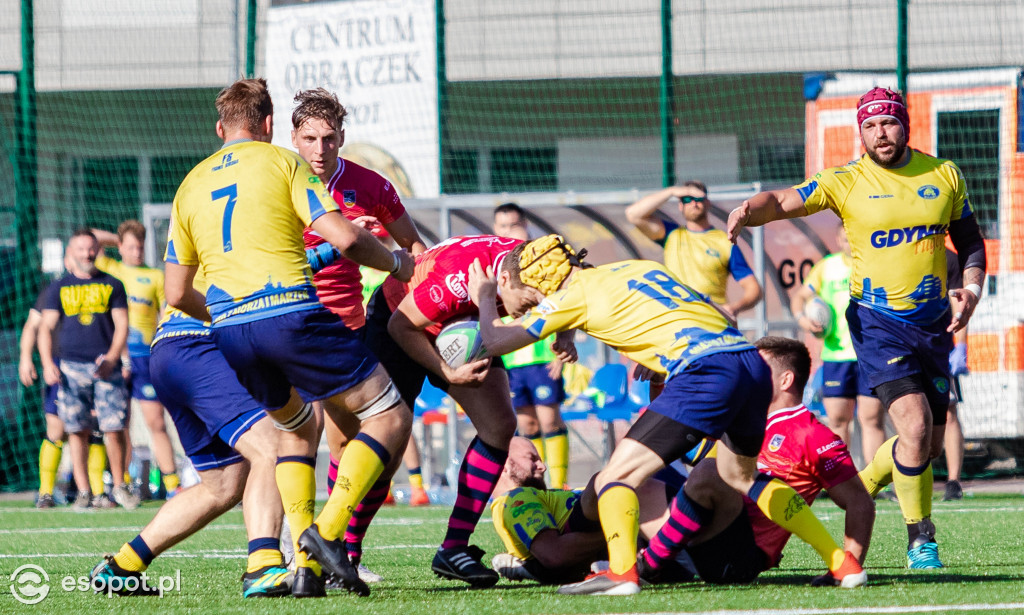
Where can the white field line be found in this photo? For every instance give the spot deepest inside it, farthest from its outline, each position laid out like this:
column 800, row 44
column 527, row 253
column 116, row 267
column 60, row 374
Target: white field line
column 216, row 527
column 924, row 608
column 850, row 610
column 225, row 554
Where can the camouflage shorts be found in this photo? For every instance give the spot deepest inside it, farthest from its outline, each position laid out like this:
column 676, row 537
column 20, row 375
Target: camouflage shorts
column 84, row 402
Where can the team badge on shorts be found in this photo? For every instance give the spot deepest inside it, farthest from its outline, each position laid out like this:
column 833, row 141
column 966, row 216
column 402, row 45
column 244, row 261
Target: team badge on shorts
column 776, row 442
column 941, row 385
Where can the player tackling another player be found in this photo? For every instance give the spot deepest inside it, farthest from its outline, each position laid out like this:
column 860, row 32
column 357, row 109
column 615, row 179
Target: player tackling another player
column 717, row 387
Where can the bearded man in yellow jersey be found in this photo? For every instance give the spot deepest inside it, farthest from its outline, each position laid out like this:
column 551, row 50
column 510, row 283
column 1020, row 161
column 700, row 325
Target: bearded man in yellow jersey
column 897, row 204
column 716, row 386
column 239, row 216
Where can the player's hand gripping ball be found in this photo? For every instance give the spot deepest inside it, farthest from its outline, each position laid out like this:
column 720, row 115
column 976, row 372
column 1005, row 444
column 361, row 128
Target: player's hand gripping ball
column 459, row 343
column 820, row 313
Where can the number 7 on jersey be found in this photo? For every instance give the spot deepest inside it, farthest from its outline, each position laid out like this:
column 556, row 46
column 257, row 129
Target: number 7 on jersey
column 231, row 192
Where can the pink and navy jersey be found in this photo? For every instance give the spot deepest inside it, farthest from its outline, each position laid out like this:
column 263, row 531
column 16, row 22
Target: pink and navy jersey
column 807, row 456
column 359, row 192
column 439, row 283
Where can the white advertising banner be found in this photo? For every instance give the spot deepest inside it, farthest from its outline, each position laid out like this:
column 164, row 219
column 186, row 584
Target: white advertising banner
column 379, row 57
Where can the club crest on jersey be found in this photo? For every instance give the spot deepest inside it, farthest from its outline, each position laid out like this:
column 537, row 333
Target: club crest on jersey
column 226, row 161
column 436, row 294
column 776, row 442
column 456, row 282
column 349, row 197
column 928, row 191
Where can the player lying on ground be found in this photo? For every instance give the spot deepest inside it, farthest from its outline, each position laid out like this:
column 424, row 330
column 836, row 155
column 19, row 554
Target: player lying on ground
column 717, row 386
column 736, row 545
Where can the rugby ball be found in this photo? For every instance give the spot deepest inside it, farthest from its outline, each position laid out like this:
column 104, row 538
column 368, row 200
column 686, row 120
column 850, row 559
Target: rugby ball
column 819, row 312
column 459, row 343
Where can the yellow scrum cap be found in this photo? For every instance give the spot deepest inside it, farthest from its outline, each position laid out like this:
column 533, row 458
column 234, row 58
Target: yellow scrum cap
column 546, row 262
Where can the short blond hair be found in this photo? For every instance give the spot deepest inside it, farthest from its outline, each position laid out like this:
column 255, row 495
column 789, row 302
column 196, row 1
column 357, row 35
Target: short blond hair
column 244, row 105
column 132, row 227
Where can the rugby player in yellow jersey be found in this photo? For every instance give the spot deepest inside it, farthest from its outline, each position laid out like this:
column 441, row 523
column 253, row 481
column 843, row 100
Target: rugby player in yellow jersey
column 717, row 386
column 535, row 377
column 896, row 204
column 145, row 288
column 699, row 255
column 239, row 216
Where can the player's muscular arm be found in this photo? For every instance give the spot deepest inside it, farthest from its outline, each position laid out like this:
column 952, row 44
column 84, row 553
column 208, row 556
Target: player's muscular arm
column 643, row 216
column 51, row 373
column 751, row 295
column 851, row 496
column 499, row 338
column 970, row 248
column 180, row 293
column 360, row 246
column 27, row 343
column 407, row 326
column 404, row 232
column 111, row 360
column 555, row 551
column 763, row 208
column 106, row 238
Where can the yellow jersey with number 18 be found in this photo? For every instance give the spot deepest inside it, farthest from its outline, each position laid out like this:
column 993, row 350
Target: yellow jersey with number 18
column 239, row 215
column 896, row 221
column 638, row 308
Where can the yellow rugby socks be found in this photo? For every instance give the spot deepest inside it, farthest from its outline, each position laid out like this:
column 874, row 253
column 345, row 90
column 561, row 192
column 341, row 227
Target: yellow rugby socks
column 879, row 473
column 134, row 556
column 784, row 506
column 49, row 462
column 264, row 552
column 296, row 480
column 97, row 464
column 914, row 491
column 538, row 442
column 556, row 448
column 358, row 469
column 619, row 509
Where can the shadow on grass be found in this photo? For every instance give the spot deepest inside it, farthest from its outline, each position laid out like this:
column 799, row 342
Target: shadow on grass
column 900, row 576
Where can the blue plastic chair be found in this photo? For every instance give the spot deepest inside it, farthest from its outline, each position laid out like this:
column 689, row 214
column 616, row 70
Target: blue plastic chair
column 613, row 401
column 432, row 398
column 610, row 388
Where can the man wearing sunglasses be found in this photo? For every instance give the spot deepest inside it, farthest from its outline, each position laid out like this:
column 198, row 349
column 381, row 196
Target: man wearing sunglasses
column 696, row 253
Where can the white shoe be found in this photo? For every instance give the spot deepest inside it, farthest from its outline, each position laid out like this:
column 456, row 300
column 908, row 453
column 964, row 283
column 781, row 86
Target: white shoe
column 125, row 497
column 287, row 547
column 511, row 567
column 368, row 576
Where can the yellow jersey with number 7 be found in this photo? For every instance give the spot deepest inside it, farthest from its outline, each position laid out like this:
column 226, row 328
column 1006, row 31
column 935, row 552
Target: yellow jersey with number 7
column 239, row 216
